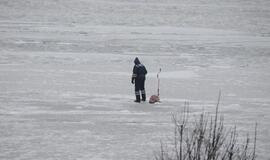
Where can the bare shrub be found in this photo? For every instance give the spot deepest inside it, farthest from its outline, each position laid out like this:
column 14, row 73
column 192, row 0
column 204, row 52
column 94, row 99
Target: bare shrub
column 205, row 138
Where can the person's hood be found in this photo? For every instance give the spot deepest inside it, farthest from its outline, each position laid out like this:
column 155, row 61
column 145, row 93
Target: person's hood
column 137, row 61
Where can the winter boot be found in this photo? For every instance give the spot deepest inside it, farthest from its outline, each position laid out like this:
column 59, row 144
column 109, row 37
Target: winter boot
column 143, row 95
column 138, row 99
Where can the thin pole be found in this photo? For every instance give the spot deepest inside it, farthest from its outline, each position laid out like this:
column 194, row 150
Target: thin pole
column 158, row 80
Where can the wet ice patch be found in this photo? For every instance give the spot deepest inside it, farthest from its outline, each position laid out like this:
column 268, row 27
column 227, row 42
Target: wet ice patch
column 105, row 97
column 221, row 67
column 175, row 75
column 73, row 112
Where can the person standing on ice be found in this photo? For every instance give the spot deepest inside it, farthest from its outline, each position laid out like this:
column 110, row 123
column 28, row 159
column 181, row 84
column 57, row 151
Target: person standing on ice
column 138, row 77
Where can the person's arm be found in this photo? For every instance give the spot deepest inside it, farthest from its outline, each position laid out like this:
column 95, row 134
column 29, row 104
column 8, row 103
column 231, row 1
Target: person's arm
column 134, row 74
column 145, row 70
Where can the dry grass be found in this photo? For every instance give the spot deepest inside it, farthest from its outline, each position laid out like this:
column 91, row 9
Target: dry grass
column 206, row 138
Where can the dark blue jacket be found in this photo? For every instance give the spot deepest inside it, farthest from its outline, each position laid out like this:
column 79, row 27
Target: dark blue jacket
column 139, row 70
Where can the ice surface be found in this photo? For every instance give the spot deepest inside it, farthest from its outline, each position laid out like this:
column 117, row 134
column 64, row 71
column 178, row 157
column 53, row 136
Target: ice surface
column 65, row 69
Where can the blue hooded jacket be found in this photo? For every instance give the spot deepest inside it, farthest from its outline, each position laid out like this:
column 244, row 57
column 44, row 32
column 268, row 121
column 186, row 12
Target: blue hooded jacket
column 139, row 70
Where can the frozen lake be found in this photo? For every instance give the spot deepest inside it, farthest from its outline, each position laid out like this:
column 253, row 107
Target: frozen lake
column 65, row 69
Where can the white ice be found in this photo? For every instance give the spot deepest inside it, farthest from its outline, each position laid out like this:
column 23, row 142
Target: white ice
column 65, row 69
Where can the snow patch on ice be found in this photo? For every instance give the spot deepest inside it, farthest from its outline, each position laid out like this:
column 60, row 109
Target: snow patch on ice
column 182, row 101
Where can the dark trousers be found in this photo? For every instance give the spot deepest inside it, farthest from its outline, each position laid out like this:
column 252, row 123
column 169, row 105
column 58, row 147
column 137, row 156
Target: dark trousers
column 139, row 86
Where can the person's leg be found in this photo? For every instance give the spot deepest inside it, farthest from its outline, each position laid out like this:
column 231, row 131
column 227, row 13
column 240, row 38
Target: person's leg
column 137, row 91
column 143, row 89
